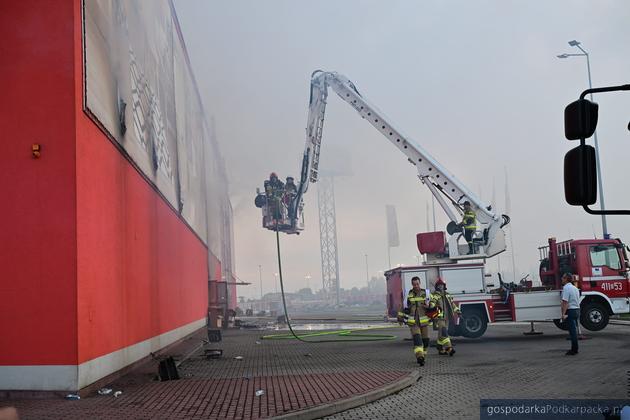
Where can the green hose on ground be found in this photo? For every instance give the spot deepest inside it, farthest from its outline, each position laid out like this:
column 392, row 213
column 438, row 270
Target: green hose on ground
column 347, row 335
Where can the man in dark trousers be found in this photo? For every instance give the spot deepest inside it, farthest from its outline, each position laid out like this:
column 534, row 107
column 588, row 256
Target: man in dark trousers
column 570, row 310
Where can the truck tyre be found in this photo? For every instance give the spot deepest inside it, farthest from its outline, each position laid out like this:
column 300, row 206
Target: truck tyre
column 594, row 316
column 562, row 325
column 473, row 323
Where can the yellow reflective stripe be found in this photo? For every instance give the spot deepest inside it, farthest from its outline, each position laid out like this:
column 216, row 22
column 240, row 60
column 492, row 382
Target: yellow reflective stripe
column 411, row 322
column 444, row 341
column 418, row 349
column 470, row 221
column 415, row 299
column 401, row 314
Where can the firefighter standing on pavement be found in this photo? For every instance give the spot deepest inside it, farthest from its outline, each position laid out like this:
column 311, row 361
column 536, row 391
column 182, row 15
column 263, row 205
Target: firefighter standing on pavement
column 417, row 315
column 469, row 225
column 448, row 311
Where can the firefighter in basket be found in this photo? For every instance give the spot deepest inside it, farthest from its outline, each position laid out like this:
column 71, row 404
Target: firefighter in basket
column 274, row 190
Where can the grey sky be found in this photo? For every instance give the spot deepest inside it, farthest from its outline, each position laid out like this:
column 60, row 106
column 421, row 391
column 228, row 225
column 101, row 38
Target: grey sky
column 476, row 83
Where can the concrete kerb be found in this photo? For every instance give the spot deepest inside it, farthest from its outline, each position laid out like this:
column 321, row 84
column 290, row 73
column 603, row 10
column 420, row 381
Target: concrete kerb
column 328, row 409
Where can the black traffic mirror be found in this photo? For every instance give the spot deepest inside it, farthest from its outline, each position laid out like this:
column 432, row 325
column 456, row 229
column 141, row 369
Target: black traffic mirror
column 580, row 176
column 580, row 119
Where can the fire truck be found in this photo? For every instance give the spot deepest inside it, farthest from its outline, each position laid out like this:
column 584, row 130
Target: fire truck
column 600, row 267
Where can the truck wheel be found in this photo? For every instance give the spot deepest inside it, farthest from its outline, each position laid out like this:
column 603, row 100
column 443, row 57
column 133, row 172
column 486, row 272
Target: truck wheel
column 562, row 325
column 473, row 324
column 594, row 316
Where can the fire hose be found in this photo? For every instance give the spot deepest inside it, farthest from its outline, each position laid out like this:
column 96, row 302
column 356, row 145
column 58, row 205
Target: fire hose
column 344, row 335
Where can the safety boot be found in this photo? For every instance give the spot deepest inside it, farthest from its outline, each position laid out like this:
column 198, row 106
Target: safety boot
column 420, row 361
column 425, row 343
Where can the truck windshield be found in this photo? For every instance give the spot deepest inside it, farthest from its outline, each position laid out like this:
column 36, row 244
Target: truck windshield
column 605, row 256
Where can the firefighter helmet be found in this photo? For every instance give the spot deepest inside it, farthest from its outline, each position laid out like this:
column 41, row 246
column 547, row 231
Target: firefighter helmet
column 440, row 281
column 432, row 312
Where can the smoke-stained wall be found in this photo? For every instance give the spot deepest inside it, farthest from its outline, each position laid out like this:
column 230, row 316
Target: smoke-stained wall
column 140, row 89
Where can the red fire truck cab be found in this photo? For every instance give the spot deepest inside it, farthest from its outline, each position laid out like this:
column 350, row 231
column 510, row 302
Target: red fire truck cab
column 599, row 266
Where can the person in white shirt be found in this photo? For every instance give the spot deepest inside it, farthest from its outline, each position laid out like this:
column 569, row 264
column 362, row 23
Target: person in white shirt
column 570, row 310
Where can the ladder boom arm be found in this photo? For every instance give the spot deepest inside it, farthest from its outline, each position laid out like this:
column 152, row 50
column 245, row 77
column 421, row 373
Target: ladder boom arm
column 429, row 169
column 447, row 189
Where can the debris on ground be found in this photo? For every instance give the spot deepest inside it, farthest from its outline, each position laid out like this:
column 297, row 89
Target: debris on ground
column 238, row 358
column 167, row 369
column 213, row 353
column 308, row 355
column 73, row 397
column 117, row 394
column 260, row 392
column 104, row 391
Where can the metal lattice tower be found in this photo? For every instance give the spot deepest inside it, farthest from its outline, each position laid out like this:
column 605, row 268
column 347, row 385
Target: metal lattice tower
column 328, row 237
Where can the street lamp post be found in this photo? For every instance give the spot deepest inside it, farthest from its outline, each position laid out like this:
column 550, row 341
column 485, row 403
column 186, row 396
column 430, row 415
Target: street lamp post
column 367, row 272
column 260, row 277
column 584, row 53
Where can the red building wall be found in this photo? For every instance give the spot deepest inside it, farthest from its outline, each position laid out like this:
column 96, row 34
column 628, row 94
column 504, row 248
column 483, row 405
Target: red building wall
column 38, row 257
column 141, row 271
column 93, row 260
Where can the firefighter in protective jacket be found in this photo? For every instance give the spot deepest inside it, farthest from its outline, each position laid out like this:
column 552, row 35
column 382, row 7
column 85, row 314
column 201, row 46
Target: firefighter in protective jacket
column 448, row 312
column 274, row 189
column 469, row 225
column 418, row 314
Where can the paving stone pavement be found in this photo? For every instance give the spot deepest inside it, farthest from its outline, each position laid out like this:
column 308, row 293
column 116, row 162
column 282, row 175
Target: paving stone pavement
column 293, row 375
column 504, row 363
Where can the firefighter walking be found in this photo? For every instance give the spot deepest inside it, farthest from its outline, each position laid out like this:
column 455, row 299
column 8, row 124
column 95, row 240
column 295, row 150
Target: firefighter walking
column 448, row 312
column 417, row 315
